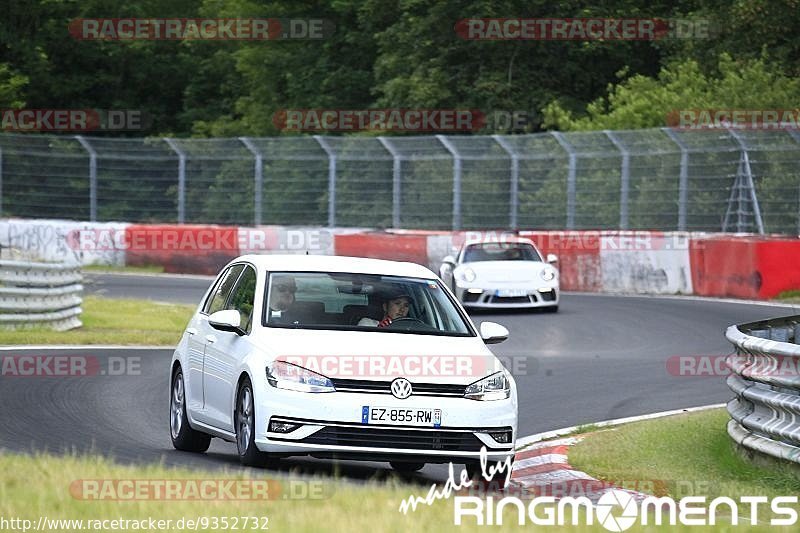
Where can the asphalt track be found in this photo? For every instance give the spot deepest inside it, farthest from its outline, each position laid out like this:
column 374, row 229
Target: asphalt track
column 600, row 357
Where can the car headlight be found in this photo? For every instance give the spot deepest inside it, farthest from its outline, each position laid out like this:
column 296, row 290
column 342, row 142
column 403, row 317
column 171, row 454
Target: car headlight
column 287, row 376
column 467, row 274
column 548, row 274
column 494, row 387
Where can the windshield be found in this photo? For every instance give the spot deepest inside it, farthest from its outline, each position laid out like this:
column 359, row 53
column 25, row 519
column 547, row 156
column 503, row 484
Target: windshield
column 361, row 302
column 496, row 251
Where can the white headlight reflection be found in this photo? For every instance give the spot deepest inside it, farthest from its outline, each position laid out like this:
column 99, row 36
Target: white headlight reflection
column 494, row 387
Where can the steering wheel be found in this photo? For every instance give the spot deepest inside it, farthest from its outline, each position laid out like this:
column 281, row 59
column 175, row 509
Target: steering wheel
column 408, row 323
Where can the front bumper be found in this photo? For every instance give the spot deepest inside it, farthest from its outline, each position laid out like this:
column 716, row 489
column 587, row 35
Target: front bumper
column 528, row 296
column 330, row 426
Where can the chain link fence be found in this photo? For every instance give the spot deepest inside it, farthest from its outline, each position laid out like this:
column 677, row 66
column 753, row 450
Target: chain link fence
column 652, row 179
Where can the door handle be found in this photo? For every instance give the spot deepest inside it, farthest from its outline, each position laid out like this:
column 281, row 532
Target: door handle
column 191, row 331
column 211, row 339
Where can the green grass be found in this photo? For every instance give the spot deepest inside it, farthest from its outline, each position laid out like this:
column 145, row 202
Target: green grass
column 684, row 455
column 791, row 297
column 107, row 321
column 147, row 269
column 40, row 485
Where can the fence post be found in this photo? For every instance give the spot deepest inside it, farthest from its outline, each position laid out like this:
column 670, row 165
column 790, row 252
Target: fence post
column 624, row 179
column 181, row 179
column 331, row 179
column 683, row 181
column 396, row 173
column 456, row 180
column 513, row 207
column 571, row 177
column 748, row 175
column 258, row 177
column 92, row 176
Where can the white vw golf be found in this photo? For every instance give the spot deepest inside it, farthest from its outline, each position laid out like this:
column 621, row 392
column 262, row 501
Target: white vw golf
column 340, row 357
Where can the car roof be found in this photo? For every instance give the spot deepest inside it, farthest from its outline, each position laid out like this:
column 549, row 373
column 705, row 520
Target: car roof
column 504, row 240
column 335, row 263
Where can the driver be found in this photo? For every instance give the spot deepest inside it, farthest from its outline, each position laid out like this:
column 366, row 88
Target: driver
column 396, row 305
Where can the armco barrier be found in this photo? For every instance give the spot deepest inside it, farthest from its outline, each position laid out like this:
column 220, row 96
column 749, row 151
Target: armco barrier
column 40, row 294
column 765, row 414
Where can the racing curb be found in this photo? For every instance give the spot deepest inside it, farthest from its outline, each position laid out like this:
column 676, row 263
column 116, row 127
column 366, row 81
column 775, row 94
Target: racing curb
column 541, row 465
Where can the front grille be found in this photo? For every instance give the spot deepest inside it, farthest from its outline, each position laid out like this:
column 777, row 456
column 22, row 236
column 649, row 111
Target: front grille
column 385, row 387
column 406, row 439
column 511, row 300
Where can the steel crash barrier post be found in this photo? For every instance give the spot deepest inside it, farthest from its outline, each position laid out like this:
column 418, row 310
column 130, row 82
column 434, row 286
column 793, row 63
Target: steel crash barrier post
column 181, row 179
column 683, row 179
column 513, row 207
column 258, row 176
column 571, row 176
column 746, row 186
column 457, row 166
column 397, row 164
column 331, row 179
column 765, row 412
column 625, row 178
column 92, row 176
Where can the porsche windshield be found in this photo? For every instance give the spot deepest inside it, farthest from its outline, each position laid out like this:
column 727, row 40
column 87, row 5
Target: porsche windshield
column 361, row 302
column 497, row 251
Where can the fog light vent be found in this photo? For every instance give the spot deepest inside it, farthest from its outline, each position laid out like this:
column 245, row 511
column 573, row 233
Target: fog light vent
column 282, row 427
column 503, row 437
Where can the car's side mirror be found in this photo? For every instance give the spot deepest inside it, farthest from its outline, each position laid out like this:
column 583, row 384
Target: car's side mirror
column 448, row 264
column 493, row 333
column 552, row 259
column 227, row 320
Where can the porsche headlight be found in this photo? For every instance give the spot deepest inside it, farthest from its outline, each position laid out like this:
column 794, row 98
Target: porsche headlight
column 283, row 375
column 494, row 387
column 548, row 273
column 467, row 274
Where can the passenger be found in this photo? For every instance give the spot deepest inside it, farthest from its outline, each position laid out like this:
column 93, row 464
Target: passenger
column 281, row 295
column 396, row 305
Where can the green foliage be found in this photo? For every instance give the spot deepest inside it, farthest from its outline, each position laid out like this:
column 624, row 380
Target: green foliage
column 645, row 102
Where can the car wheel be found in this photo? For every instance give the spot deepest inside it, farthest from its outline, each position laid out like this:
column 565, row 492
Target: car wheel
column 183, row 436
column 406, row 468
column 244, row 422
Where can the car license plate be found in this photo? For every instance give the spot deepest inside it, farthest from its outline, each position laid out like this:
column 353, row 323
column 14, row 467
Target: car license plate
column 401, row 417
column 510, row 293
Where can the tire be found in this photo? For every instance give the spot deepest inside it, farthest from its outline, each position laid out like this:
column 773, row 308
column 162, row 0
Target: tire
column 244, row 417
column 183, row 436
column 406, row 468
column 552, row 309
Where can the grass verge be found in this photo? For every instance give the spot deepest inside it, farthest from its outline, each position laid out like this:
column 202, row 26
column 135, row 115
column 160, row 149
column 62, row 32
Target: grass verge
column 147, row 269
column 682, row 455
column 41, row 485
column 792, row 297
column 107, row 321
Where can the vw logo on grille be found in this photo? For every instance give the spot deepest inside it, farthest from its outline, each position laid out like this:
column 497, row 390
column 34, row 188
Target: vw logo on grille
column 401, row 388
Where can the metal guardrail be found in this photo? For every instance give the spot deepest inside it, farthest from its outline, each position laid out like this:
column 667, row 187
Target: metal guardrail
column 40, row 295
column 765, row 414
